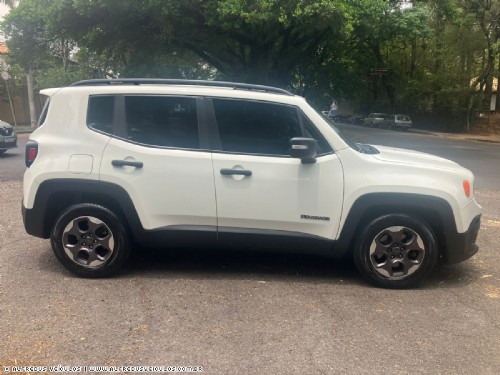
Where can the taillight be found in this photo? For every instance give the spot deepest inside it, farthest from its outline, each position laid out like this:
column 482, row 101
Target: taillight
column 467, row 188
column 31, row 153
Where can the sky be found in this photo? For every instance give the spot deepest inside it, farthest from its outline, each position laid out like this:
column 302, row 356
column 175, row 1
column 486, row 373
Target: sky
column 4, row 9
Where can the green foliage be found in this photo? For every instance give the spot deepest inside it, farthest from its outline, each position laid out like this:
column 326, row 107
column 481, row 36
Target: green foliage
column 322, row 49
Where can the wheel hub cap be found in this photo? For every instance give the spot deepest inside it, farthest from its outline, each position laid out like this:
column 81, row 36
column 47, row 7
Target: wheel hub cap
column 88, row 241
column 397, row 252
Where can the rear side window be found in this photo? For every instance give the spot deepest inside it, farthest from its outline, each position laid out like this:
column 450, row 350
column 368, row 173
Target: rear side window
column 256, row 127
column 162, row 121
column 100, row 113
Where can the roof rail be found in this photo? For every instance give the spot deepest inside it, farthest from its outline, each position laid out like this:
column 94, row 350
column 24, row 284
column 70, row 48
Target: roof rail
column 187, row 82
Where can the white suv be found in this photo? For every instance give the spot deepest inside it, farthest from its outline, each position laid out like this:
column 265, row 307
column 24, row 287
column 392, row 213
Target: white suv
column 175, row 162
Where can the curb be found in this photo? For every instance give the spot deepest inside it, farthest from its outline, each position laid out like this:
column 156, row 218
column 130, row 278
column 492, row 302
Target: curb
column 459, row 136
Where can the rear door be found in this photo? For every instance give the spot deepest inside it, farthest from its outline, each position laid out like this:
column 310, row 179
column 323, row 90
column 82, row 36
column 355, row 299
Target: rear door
column 159, row 155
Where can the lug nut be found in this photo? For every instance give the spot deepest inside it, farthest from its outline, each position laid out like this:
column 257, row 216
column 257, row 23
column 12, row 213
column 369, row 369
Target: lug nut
column 95, row 241
column 84, row 244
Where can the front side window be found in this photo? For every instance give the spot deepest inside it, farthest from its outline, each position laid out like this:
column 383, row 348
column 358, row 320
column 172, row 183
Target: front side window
column 312, row 132
column 256, row 127
column 162, row 121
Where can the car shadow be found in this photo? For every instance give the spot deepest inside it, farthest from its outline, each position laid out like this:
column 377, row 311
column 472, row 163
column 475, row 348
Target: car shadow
column 238, row 264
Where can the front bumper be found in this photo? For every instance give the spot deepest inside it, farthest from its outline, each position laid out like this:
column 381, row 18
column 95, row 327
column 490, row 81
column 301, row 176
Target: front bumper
column 462, row 246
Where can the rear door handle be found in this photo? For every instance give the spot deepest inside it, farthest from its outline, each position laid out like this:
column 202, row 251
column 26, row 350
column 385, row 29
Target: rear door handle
column 235, row 172
column 127, row 163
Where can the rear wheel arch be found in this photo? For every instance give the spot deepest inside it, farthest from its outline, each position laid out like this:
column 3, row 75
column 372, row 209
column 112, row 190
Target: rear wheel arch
column 55, row 196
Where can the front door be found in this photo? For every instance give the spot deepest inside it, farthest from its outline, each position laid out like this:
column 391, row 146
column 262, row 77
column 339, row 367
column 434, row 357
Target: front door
column 259, row 187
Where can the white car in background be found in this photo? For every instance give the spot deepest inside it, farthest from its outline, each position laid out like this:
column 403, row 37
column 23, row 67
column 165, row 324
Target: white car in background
column 375, row 120
column 402, row 122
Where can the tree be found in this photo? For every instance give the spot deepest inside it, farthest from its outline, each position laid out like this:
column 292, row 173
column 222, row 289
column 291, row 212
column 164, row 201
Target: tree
column 262, row 41
column 318, row 48
column 31, row 45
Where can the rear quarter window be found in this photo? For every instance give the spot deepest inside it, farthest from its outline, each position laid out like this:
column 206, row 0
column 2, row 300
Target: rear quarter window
column 45, row 110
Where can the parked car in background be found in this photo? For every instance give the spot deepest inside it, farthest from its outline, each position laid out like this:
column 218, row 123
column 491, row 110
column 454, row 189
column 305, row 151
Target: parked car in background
column 398, row 122
column 8, row 137
column 356, row 119
column 341, row 118
column 375, row 120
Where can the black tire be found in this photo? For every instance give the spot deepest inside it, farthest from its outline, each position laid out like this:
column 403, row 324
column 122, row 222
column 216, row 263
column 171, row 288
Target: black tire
column 395, row 251
column 2, row 151
column 90, row 241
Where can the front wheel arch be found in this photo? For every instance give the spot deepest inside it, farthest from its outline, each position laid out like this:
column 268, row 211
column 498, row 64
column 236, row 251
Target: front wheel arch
column 434, row 210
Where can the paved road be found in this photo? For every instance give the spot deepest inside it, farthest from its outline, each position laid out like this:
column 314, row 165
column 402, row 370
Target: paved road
column 12, row 162
column 482, row 158
column 245, row 313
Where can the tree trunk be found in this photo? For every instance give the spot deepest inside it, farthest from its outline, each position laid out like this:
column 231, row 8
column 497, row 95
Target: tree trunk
column 413, row 57
column 30, row 81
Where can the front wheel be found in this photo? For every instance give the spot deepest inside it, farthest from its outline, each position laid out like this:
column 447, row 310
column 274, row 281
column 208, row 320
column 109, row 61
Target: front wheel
column 90, row 241
column 396, row 251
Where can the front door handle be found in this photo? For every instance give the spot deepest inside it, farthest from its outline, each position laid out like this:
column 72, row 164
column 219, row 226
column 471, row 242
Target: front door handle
column 235, row 172
column 127, row 163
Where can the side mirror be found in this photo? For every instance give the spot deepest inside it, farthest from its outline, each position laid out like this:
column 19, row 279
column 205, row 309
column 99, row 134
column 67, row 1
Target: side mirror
column 304, row 149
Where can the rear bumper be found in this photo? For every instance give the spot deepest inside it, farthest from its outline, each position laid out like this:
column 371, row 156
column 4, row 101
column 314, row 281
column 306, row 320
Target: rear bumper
column 462, row 246
column 33, row 222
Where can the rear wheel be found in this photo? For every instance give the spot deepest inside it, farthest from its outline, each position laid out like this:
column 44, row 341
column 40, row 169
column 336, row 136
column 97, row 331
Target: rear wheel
column 2, row 151
column 396, row 251
column 90, row 241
